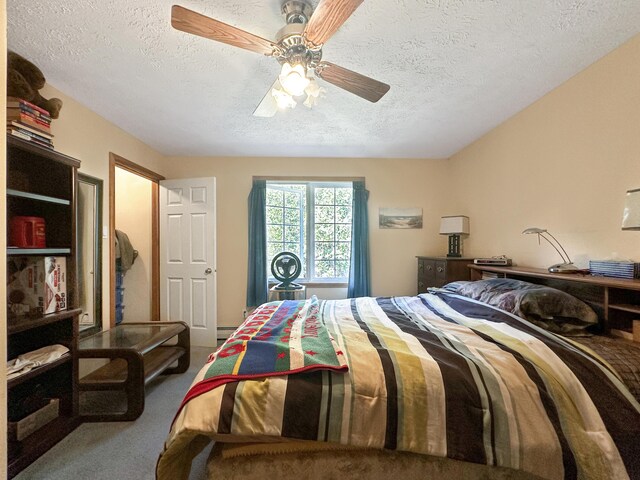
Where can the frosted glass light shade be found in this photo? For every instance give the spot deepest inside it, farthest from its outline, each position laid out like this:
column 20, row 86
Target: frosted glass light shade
column 293, row 79
column 456, row 224
column 631, row 213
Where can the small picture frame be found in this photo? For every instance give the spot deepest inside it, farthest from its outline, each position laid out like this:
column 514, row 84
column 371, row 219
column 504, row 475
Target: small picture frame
column 400, row 218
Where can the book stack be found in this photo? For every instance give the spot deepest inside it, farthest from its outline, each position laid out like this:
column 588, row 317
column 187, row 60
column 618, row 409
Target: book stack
column 29, row 122
column 611, row 268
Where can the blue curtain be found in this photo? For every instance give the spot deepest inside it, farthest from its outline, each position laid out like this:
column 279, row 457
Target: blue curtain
column 359, row 269
column 257, row 285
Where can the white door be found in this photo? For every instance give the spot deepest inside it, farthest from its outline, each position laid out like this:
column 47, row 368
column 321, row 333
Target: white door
column 188, row 256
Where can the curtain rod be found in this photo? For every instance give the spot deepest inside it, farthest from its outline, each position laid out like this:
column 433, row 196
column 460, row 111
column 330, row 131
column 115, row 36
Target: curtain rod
column 311, row 179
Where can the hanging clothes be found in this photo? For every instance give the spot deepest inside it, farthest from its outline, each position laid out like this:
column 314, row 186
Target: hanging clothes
column 124, row 251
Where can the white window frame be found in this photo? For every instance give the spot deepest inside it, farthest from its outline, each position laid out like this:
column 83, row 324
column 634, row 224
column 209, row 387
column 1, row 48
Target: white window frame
column 309, row 232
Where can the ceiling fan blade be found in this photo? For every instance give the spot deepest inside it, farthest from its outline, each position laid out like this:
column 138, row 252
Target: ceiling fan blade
column 189, row 21
column 353, row 82
column 327, row 18
column 268, row 106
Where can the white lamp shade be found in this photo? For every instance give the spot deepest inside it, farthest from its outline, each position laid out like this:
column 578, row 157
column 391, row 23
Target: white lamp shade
column 631, row 213
column 454, row 225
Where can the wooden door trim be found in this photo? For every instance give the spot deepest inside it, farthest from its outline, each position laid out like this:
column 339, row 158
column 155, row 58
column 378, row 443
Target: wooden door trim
column 121, row 162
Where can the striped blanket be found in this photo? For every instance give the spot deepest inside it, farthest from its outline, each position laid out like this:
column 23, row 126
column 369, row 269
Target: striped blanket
column 438, row 375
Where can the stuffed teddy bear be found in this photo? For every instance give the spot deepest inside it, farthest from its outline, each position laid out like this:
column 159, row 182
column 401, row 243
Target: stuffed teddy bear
column 24, row 80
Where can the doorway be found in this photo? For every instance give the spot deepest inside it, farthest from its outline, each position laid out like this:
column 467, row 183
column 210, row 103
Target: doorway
column 134, row 262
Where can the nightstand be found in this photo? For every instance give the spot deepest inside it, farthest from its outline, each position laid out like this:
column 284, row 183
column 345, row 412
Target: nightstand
column 438, row 271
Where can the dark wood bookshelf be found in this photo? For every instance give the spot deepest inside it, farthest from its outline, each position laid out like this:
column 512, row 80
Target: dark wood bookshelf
column 42, row 183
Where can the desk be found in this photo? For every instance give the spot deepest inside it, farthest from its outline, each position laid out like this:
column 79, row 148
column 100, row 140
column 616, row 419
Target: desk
column 287, row 294
column 138, row 353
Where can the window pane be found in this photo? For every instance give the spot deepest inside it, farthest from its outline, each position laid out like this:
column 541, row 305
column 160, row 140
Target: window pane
column 324, row 269
column 343, row 250
column 343, row 214
column 293, row 248
column 344, row 196
column 274, row 215
column 274, row 197
column 324, row 196
column 272, row 250
column 324, row 251
column 343, row 233
column 292, row 199
column 342, row 268
column 274, row 233
column 292, row 233
column 292, row 216
column 324, row 233
column 324, row 214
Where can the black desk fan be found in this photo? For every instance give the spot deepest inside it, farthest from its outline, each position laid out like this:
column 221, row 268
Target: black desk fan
column 286, row 267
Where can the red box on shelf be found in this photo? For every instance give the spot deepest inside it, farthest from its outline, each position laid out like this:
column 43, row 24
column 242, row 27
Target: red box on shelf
column 27, row 232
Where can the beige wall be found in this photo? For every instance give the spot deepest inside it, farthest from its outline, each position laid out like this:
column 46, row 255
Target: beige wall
column 392, row 183
column 83, row 134
column 133, row 217
column 564, row 163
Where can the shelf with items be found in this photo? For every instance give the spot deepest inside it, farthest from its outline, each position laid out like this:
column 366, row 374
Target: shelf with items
column 13, row 382
column 41, row 186
column 55, row 217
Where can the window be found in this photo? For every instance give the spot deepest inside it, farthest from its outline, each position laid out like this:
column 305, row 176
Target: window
column 312, row 220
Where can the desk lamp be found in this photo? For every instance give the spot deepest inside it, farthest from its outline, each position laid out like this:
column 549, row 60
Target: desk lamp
column 567, row 265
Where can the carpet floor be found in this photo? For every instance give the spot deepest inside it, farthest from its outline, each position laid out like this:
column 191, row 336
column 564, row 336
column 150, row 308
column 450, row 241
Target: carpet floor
column 123, row 450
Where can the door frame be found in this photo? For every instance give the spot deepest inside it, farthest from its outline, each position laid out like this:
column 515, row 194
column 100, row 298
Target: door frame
column 121, row 162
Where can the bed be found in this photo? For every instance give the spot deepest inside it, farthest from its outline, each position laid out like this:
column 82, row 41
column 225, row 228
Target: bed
column 434, row 386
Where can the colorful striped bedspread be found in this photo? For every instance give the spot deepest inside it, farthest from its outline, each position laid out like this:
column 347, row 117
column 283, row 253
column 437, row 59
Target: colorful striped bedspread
column 435, row 374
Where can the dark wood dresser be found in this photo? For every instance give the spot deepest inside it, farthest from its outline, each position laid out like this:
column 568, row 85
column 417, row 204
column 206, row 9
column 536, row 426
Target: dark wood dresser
column 438, row 271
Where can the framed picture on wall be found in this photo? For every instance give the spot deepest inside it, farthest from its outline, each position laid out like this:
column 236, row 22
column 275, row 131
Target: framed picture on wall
column 400, row 218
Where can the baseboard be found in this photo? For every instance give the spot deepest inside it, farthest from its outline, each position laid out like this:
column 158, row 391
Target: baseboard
column 224, row 332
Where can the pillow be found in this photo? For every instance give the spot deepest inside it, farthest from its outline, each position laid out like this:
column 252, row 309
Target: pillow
column 546, row 307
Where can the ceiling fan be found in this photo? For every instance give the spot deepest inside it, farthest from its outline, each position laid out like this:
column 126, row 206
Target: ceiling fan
column 298, row 48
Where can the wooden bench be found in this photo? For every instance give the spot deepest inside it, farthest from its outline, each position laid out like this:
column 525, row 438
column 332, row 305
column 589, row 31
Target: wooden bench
column 138, row 352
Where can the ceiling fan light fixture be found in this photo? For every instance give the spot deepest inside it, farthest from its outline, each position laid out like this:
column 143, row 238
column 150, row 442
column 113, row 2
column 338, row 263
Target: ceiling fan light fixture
column 314, row 92
column 283, row 99
column 293, row 79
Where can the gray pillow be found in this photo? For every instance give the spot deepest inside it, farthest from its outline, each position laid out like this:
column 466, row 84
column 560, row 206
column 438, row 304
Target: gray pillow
column 546, row 307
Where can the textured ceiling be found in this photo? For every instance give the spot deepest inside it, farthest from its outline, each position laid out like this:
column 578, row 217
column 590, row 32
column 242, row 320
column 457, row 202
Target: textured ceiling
column 457, row 68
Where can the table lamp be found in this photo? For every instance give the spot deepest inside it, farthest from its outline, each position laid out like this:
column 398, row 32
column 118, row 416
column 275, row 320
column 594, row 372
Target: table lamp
column 567, row 265
column 454, row 226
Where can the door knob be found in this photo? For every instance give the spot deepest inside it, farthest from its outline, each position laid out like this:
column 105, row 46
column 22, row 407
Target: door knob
column 208, row 271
